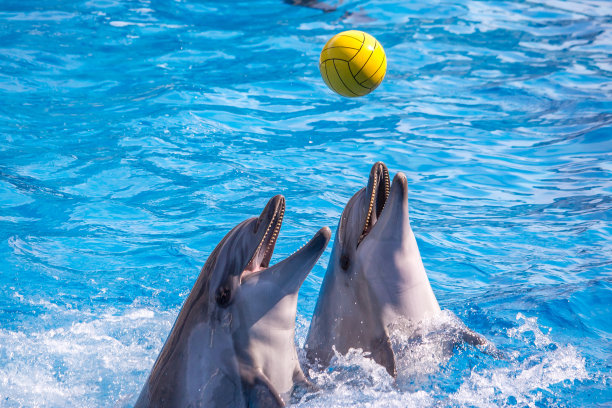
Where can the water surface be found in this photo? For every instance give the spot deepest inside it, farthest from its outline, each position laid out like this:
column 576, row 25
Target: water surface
column 135, row 135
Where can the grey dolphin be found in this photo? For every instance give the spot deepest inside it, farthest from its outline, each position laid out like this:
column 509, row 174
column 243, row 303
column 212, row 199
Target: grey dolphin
column 375, row 276
column 232, row 344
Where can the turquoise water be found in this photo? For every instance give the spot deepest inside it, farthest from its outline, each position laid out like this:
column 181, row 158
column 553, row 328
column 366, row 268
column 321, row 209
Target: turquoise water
column 135, row 135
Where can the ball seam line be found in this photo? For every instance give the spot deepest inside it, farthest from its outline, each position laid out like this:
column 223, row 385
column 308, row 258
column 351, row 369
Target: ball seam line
column 331, row 85
column 349, row 61
column 328, row 81
column 333, row 59
column 325, row 79
column 340, row 46
column 340, row 77
column 381, row 64
column 365, row 63
column 350, row 36
column 361, row 84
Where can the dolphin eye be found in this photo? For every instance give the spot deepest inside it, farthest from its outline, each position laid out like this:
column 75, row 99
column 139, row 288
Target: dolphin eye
column 223, row 296
column 345, row 262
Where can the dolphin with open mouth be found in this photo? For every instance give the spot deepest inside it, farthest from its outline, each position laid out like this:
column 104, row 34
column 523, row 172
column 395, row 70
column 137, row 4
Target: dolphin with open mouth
column 375, row 277
column 232, row 344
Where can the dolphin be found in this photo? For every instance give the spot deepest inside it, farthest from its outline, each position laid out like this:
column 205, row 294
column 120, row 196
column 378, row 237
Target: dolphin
column 315, row 4
column 375, row 277
column 232, row 344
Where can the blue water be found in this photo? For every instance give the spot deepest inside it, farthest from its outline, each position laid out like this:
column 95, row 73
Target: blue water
column 135, row 135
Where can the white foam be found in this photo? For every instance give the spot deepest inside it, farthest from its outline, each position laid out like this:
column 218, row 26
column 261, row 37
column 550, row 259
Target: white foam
column 355, row 380
column 423, row 352
column 522, row 379
column 126, row 24
column 92, row 359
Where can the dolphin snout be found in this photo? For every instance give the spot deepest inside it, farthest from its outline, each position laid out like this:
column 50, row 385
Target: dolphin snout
column 270, row 210
column 321, row 238
column 399, row 187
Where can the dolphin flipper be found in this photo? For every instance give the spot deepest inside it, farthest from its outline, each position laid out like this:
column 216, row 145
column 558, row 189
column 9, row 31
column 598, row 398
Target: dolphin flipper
column 481, row 343
column 471, row 337
column 258, row 390
column 261, row 396
column 382, row 353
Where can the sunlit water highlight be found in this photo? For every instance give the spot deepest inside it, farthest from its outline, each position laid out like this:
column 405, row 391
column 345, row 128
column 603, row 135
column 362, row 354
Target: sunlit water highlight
column 135, row 135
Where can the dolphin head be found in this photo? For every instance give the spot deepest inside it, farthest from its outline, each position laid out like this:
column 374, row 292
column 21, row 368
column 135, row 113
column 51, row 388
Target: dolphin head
column 390, row 261
column 359, row 216
column 374, row 277
column 375, row 246
column 240, row 277
column 234, row 337
column 245, row 250
column 257, row 301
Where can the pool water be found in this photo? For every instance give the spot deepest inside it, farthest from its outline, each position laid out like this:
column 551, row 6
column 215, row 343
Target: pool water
column 136, row 134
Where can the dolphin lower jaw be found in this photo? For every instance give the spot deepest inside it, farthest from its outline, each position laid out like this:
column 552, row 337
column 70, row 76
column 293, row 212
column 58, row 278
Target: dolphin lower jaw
column 268, row 346
column 302, row 261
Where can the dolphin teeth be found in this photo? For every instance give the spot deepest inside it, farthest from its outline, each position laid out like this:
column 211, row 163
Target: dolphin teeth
column 302, row 247
column 373, row 198
column 270, row 241
column 371, row 206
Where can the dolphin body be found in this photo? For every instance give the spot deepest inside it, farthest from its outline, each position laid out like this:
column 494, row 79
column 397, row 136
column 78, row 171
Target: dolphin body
column 232, row 344
column 375, row 277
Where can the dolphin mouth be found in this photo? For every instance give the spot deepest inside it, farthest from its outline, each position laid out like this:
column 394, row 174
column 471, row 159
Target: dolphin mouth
column 378, row 192
column 272, row 219
column 263, row 253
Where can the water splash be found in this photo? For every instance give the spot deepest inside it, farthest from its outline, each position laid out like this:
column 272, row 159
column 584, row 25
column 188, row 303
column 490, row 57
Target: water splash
column 435, row 367
column 525, row 380
column 93, row 357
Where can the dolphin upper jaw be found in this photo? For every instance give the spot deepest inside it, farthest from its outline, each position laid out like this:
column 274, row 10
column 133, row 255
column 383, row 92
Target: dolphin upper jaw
column 268, row 227
column 376, row 195
column 393, row 222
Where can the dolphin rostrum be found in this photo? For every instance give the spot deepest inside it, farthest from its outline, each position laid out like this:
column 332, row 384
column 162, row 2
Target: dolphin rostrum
column 232, row 344
column 375, row 276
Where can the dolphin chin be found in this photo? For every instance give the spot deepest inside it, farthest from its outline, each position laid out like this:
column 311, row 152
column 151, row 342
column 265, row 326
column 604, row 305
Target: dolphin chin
column 233, row 341
column 375, row 276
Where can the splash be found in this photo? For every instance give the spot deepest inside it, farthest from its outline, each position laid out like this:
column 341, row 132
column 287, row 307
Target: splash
column 356, row 380
column 526, row 379
column 435, row 367
column 423, row 348
column 92, row 358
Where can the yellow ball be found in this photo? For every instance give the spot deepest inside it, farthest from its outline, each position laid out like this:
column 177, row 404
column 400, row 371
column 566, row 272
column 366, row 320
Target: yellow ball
column 353, row 63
